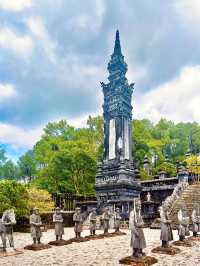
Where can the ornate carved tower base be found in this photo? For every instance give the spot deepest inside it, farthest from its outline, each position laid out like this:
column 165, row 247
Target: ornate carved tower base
column 116, row 183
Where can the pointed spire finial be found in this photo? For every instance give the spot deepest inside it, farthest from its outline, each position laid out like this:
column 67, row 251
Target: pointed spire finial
column 117, row 48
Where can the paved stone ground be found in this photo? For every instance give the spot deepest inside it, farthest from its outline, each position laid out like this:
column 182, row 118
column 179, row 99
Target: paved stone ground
column 103, row 252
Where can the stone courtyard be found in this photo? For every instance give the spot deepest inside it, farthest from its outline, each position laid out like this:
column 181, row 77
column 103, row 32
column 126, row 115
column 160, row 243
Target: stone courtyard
column 103, row 252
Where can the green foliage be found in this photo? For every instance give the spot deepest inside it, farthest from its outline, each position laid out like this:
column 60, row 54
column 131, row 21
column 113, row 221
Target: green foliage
column 8, row 169
column 27, row 165
column 164, row 138
column 41, row 199
column 144, row 176
column 13, row 195
column 20, row 198
column 169, row 168
column 65, row 158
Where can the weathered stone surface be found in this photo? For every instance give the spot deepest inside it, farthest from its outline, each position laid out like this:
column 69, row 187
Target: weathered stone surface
column 142, row 261
column 168, row 251
column 37, row 247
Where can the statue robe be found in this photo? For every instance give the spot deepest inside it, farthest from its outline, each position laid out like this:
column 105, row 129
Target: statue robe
column 117, row 219
column 195, row 221
column 58, row 221
column 166, row 230
column 137, row 235
column 3, row 234
column 183, row 220
column 106, row 219
column 77, row 218
column 92, row 219
column 6, row 228
column 35, row 222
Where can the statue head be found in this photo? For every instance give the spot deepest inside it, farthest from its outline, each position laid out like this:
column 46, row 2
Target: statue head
column 196, row 207
column 117, row 210
column 35, row 211
column 165, row 206
column 184, row 209
column 57, row 210
column 10, row 214
column 137, row 204
column 93, row 210
column 78, row 210
column 106, row 209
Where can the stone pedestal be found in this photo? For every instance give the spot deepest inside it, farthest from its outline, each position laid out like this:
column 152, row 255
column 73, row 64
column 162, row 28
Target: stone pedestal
column 37, row 247
column 60, row 242
column 185, row 243
column 142, row 261
column 167, row 250
column 116, row 186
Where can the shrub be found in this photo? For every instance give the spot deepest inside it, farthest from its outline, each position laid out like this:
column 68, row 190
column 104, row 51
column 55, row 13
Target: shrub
column 41, row 199
column 22, row 199
column 13, row 195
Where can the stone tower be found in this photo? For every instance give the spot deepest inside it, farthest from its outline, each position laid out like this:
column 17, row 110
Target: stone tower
column 116, row 183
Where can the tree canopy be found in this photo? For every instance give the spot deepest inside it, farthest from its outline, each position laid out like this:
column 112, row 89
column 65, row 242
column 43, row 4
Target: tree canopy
column 65, row 158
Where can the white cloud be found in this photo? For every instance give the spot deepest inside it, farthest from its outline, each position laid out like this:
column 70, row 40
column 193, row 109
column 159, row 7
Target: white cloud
column 177, row 100
column 7, row 91
column 20, row 45
column 39, row 31
column 136, row 73
column 92, row 20
column 190, row 11
column 15, row 5
column 19, row 137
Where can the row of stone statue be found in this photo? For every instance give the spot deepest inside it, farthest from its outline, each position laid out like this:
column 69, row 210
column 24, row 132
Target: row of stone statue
column 105, row 218
column 136, row 225
column 8, row 221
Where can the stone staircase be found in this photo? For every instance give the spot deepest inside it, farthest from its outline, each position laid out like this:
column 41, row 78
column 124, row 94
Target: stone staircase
column 188, row 197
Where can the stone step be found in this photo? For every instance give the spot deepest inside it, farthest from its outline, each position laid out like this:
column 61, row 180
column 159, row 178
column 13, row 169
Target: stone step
column 188, row 197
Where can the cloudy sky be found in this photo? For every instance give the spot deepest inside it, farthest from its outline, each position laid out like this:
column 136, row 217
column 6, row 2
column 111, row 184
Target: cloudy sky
column 53, row 55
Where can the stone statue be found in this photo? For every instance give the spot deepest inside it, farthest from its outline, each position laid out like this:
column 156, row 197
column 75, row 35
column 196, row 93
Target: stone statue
column 117, row 219
column 77, row 218
column 93, row 219
column 6, row 228
column 106, row 220
column 3, row 235
column 35, row 222
column 166, row 230
column 196, row 219
column 183, row 220
column 58, row 221
column 148, row 196
column 136, row 224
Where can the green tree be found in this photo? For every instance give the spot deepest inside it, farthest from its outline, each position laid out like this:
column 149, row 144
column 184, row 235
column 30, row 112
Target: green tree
column 27, row 165
column 9, row 170
column 13, row 195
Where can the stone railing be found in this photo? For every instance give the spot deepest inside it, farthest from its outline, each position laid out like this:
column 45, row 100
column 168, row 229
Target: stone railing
column 178, row 190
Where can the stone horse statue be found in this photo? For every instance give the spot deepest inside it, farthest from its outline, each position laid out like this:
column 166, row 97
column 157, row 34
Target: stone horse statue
column 6, row 228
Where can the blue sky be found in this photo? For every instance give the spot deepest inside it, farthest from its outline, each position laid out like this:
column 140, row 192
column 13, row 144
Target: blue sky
column 53, row 55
